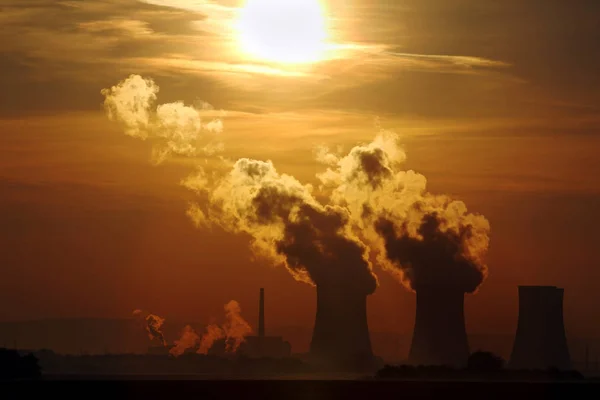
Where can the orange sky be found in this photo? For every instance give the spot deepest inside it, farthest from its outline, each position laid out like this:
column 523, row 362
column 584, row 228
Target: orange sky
column 496, row 104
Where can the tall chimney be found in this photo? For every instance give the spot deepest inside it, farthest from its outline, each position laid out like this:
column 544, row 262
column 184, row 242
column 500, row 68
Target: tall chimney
column 439, row 336
column 540, row 341
column 341, row 335
column 261, row 313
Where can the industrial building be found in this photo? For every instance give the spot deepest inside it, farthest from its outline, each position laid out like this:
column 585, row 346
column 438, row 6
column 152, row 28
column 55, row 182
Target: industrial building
column 439, row 336
column 160, row 350
column 259, row 346
column 540, row 340
column 262, row 345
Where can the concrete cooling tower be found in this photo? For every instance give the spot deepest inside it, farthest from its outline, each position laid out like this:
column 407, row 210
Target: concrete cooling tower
column 341, row 335
column 540, row 341
column 439, row 336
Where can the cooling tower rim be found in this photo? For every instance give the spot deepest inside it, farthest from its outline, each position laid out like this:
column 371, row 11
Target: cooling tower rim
column 440, row 288
column 535, row 287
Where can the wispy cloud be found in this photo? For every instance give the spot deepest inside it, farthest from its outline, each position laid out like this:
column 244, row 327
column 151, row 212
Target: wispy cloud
column 117, row 26
column 196, row 41
column 98, row 29
column 187, row 65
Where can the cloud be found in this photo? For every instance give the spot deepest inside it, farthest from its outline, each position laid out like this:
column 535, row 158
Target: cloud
column 73, row 33
column 442, row 63
column 71, row 47
column 116, row 26
column 186, row 64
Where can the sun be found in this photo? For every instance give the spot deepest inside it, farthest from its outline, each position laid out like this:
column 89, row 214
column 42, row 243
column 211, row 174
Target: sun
column 283, row 31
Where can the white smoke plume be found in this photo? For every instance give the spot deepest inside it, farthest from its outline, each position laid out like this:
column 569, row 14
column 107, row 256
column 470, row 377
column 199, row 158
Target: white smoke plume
column 234, row 331
column 189, row 339
column 212, row 334
column 236, row 328
column 174, row 127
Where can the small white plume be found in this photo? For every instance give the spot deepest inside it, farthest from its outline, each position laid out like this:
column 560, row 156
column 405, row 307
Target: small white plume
column 174, row 127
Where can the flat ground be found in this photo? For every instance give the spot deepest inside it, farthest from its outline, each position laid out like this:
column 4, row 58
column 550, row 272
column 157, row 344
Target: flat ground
column 150, row 387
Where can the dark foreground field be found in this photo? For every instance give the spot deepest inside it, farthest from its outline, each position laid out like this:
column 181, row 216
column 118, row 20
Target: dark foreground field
column 153, row 387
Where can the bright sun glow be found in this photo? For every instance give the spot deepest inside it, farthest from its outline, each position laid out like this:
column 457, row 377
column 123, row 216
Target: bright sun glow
column 286, row 31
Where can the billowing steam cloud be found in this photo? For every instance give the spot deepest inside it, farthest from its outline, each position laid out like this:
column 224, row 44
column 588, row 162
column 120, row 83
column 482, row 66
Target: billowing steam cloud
column 374, row 206
column 314, row 241
column 286, row 223
column 152, row 324
column 175, row 127
column 234, row 331
column 425, row 239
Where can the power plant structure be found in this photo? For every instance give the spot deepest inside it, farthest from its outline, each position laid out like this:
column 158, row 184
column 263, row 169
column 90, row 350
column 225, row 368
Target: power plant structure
column 341, row 334
column 540, row 340
column 439, row 336
column 259, row 346
column 262, row 345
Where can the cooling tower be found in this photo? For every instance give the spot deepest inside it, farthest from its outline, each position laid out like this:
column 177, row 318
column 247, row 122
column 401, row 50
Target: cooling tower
column 540, row 342
column 341, row 335
column 439, row 336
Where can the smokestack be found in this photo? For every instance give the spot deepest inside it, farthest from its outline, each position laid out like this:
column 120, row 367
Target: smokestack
column 540, row 341
column 439, row 336
column 261, row 313
column 341, row 335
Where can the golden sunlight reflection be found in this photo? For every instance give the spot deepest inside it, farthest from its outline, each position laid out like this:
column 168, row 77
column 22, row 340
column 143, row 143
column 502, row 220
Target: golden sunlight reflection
column 283, row 31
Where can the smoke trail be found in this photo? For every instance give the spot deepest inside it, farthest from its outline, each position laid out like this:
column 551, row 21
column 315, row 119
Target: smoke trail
column 286, row 223
column 422, row 238
column 189, row 339
column 175, row 127
column 151, row 323
column 154, row 325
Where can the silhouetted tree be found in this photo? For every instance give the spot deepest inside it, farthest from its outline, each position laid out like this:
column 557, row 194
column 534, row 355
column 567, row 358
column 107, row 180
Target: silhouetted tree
column 484, row 361
column 15, row 366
